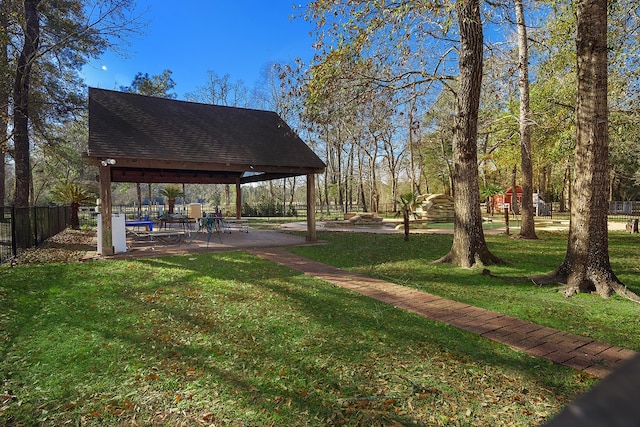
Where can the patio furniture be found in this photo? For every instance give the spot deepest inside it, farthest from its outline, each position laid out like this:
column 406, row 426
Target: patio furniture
column 239, row 224
column 140, row 223
column 209, row 224
column 169, row 219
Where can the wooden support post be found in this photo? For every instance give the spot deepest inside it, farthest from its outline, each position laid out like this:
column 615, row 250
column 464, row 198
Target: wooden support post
column 312, row 236
column 105, row 210
column 238, row 199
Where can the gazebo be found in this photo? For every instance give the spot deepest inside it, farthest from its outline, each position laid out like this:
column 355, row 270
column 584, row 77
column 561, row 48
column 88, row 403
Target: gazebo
column 143, row 139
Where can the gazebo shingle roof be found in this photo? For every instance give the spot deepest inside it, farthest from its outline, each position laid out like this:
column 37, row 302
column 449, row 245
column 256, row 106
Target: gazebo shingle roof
column 150, row 136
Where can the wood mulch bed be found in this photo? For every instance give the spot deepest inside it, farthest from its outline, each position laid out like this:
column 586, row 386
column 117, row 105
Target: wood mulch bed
column 66, row 246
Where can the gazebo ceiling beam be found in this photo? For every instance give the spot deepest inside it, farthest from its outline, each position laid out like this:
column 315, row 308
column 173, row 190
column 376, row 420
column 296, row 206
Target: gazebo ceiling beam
column 152, row 166
column 268, row 177
column 173, row 176
column 145, row 176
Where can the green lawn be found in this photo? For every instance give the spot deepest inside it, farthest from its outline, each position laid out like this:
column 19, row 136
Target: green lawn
column 409, row 263
column 230, row 339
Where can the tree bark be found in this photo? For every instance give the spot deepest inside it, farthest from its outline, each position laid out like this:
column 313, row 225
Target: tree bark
column 586, row 267
column 139, row 195
column 74, row 219
column 362, row 191
column 21, row 103
column 566, row 188
column 469, row 247
column 413, row 128
column 449, row 188
column 527, row 229
column 292, row 193
column 5, row 95
column 405, row 222
column 515, row 208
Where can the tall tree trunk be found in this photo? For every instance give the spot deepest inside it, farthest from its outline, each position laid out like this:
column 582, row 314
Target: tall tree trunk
column 469, row 247
column 423, row 173
column 586, row 267
column 375, row 193
column 544, row 181
column 3, row 175
column 326, row 170
column 5, row 95
column 139, row 196
column 74, row 219
column 392, row 165
column 515, row 208
column 566, row 188
column 527, row 228
column 339, row 176
column 292, row 193
column 21, row 103
column 227, row 195
column 485, row 169
column 362, row 191
column 612, row 183
column 405, row 222
column 363, row 197
column 321, row 200
column 349, row 179
column 415, row 185
column 149, row 197
column 449, row 188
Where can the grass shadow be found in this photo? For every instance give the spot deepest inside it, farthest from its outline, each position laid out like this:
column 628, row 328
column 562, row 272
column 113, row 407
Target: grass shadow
column 232, row 338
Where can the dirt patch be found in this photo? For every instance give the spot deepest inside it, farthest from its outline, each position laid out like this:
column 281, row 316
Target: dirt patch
column 66, row 246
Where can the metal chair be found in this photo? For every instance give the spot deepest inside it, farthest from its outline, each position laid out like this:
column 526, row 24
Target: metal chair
column 209, row 224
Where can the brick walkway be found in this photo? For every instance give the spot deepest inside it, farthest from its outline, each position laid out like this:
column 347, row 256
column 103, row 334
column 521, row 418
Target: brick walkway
column 593, row 357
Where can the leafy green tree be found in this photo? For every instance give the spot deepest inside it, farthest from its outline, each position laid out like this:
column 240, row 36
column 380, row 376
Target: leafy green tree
column 554, row 94
column 22, row 82
column 527, row 229
column 469, row 247
column 436, row 144
column 50, row 41
column 624, row 75
column 160, row 85
column 373, row 44
column 75, row 196
column 586, row 266
column 624, row 157
column 5, row 92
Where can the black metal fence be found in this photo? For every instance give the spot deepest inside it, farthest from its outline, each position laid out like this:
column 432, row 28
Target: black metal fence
column 23, row 228
column 618, row 211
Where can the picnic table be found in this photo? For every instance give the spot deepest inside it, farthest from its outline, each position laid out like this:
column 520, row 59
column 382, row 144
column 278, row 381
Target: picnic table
column 140, row 223
column 183, row 220
column 240, row 224
column 161, row 236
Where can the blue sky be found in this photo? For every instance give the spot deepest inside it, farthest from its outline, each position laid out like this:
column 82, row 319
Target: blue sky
column 192, row 37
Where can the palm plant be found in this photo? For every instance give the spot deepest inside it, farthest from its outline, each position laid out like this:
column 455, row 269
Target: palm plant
column 171, row 192
column 75, row 195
